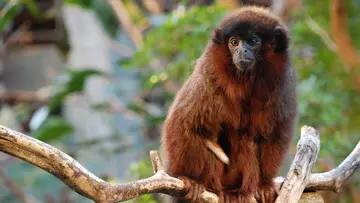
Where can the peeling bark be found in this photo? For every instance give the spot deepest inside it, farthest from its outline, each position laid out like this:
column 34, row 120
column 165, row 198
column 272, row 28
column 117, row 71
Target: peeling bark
column 300, row 171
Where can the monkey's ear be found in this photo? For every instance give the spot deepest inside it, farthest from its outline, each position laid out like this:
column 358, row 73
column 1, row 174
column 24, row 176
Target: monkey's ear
column 218, row 37
column 281, row 39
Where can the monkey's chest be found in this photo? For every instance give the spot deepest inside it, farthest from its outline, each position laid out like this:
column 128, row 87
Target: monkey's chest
column 249, row 119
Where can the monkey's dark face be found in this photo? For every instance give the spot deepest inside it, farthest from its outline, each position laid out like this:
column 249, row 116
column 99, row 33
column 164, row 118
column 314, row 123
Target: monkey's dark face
column 244, row 50
column 250, row 38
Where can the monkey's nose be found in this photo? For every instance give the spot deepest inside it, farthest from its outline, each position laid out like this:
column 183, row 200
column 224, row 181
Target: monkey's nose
column 248, row 55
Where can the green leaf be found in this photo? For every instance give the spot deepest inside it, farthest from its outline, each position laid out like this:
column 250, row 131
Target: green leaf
column 101, row 106
column 125, row 63
column 78, row 79
column 52, row 129
column 75, row 84
column 7, row 13
column 82, row 3
column 32, row 7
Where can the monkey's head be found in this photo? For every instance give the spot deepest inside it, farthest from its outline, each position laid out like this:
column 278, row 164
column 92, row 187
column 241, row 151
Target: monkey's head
column 251, row 36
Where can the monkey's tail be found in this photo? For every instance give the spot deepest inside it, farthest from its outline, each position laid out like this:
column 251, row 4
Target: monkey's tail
column 218, row 151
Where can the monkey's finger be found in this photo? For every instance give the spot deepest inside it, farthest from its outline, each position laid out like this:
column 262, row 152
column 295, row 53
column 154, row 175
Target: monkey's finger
column 216, row 149
column 195, row 194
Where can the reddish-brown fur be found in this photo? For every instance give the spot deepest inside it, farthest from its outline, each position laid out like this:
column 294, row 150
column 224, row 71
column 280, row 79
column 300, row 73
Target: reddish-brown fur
column 251, row 115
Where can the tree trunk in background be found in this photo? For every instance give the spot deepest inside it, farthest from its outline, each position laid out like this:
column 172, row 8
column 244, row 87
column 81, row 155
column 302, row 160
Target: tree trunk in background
column 339, row 28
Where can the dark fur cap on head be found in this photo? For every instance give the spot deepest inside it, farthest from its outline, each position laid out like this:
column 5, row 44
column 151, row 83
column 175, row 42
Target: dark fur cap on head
column 256, row 19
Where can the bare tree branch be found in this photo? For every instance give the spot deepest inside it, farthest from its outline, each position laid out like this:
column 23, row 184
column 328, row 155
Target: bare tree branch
column 80, row 179
column 300, row 171
column 87, row 184
column 335, row 178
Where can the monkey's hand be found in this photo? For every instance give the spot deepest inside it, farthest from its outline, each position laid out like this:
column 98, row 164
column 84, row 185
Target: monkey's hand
column 195, row 189
column 218, row 151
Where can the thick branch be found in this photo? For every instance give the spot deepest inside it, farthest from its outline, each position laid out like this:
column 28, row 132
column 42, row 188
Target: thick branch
column 300, row 171
column 80, row 179
column 87, row 184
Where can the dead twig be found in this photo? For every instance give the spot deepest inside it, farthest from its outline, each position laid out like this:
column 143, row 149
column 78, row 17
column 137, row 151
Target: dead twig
column 311, row 23
column 124, row 18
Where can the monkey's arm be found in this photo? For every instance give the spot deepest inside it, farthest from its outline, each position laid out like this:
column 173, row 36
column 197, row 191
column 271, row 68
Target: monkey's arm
column 273, row 151
column 186, row 152
column 191, row 123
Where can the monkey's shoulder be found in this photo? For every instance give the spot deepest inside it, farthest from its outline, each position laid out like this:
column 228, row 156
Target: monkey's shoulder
column 196, row 98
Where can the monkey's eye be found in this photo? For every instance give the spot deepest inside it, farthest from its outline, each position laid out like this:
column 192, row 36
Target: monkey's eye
column 234, row 42
column 253, row 41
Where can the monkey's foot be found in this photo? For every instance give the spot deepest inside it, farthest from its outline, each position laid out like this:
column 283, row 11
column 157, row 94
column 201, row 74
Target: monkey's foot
column 226, row 198
column 267, row 195
column 195, row 189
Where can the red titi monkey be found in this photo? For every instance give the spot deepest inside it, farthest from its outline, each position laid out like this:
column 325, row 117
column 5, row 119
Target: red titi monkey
column 232, row 121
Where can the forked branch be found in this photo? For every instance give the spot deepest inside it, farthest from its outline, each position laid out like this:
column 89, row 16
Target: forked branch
column 87, row 184
column 335, row 178
column 300, row 171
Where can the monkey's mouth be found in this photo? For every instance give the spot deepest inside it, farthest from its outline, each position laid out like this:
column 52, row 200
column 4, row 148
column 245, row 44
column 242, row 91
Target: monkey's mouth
column 245, row 64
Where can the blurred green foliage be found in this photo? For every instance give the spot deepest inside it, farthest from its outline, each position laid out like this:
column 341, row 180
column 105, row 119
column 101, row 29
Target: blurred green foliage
column 142, row 170
column 8, row 10
column 328, row 96
column 53, row 128
column 328, row 99
column 172, row 48
column 75, row 84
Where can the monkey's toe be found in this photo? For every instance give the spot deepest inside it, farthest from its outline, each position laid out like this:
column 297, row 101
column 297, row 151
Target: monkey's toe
column 268, row 195
column 230, row 198
column 195, row 189
column 224, row 198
